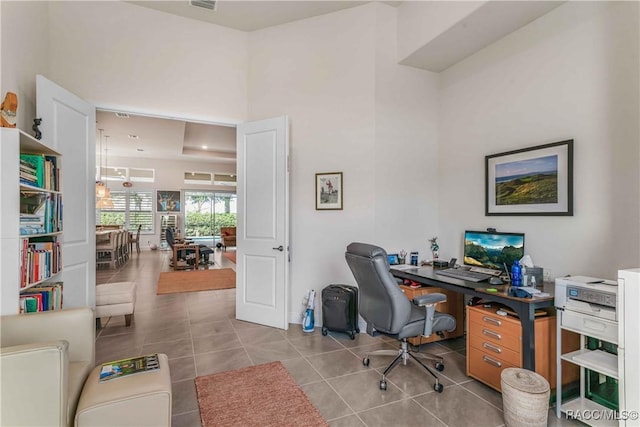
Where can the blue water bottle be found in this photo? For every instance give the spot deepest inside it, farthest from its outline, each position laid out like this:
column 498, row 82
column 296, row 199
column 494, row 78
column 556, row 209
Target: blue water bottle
column 516, row 274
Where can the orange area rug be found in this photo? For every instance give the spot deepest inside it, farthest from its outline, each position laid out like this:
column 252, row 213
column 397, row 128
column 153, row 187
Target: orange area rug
column 263, row 395
column 199, row 280
column 231, row 256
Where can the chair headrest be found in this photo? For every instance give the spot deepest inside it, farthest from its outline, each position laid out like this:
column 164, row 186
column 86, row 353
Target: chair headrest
column 366, row 250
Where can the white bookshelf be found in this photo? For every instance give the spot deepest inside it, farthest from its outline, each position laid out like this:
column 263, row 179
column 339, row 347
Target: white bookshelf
column 13, row 142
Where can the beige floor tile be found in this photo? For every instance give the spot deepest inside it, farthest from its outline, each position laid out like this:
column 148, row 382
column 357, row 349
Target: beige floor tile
column 456, row 406
column 326, row 400
column 403, row 413
column 361, row 391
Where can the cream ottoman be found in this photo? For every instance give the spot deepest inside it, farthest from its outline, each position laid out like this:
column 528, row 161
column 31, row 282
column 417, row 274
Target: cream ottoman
column 115, row 299
column 142, row 399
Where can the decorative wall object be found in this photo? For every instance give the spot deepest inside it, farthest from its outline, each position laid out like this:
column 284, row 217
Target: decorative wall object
column 168, row 201
column 531, row 181
column 329, row 191
column 9, row 110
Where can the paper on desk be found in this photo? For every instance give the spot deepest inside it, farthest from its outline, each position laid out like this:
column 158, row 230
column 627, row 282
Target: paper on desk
column 526, row 261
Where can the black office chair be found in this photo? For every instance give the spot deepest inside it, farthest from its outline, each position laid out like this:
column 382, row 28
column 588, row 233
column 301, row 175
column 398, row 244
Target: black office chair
column 388, row 311
column 204, row 250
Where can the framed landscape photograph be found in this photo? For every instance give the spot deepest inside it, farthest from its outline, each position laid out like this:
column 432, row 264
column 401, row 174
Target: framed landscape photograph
column 531, row 181
column 168, row 201
column 329, row 191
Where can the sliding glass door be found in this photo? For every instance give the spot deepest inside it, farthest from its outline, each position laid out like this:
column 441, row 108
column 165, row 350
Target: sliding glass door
column 206, row 212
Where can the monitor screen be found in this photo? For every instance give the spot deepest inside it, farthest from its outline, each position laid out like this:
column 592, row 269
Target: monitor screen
column 492, row 249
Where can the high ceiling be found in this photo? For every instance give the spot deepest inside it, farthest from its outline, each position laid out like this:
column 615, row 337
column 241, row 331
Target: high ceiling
column 250, row 15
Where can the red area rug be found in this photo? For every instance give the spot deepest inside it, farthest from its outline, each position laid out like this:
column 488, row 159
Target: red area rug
column 231, row 256
column 264, row 395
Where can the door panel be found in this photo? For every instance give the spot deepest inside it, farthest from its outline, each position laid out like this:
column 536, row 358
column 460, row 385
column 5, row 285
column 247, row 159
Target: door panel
column 68, row 126
column 262, row 267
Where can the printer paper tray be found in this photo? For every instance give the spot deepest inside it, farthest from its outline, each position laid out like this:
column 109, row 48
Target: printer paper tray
column 592, row 326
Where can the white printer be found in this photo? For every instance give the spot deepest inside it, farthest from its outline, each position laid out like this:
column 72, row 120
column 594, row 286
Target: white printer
column 606, row 310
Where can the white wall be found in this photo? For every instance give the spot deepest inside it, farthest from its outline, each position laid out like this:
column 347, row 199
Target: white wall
column 122, row 56
column 406, row 146
column 572, row 74
column 352, row 110
column 23, row 34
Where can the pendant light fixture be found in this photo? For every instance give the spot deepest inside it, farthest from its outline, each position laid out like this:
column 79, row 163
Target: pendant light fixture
column 101, row 188
column 105, row 201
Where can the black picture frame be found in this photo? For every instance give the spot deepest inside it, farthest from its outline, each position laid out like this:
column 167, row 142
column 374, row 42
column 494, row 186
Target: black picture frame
column 167, row 201
column 535, row 181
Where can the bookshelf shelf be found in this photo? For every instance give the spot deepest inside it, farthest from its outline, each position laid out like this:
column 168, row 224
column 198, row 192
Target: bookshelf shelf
column 40, row 282
column 24, row 188
column 31, row 235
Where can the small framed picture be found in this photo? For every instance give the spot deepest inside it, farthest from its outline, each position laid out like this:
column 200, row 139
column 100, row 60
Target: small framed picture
column 531, row 181
column 329, row 191
column 168, row 201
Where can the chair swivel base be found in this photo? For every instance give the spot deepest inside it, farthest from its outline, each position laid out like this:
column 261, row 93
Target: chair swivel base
column 404, row 354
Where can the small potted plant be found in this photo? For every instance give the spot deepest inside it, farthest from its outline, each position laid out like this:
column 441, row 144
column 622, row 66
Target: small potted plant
column 434, row 247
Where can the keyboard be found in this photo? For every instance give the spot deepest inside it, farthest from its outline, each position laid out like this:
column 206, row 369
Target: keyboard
column 470, row 276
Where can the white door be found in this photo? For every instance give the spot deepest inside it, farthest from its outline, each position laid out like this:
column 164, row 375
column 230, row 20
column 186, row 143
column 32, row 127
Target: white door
column 262, row 269
column 68, row 126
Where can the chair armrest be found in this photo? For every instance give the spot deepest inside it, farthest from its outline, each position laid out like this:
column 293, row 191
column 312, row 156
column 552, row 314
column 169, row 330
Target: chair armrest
column 74, row 325
column 34, row 384
column 429, row 299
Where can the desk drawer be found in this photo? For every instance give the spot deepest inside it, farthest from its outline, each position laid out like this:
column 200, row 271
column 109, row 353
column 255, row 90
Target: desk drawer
column 500, row 337
column 488, row 318
column 486, row 368
column 496, row 350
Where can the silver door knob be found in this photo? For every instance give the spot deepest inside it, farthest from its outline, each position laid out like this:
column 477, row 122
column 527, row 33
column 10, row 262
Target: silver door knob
column 279, row 248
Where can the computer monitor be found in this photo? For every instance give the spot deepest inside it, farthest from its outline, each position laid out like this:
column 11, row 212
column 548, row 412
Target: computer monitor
column 492, row 249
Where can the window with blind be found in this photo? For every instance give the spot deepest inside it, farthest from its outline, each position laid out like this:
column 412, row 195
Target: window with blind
column 130, row 209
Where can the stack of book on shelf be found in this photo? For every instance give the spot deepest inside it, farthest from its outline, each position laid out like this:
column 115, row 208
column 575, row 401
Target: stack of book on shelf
column 40, row 171
column 44, row 297
column 28, row 173
column 40, row 213
column 40, row 259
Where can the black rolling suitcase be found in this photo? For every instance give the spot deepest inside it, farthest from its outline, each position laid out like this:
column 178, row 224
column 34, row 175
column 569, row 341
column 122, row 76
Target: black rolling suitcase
column 340, row 309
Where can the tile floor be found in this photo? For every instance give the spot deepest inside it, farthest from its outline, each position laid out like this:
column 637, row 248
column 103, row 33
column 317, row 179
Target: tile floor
column 200, row 335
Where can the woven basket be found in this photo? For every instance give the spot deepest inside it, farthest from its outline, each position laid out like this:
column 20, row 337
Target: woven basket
column 525, row 398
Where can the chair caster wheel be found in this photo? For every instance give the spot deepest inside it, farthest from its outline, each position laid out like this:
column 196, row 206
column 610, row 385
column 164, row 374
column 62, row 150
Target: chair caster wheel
column 438, row 387
column 440, row 366
column 365, row 361
column 383, row 385
column 324, row 331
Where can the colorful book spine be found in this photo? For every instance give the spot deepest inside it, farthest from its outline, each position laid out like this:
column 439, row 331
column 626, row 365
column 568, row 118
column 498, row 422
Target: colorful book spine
column 36, row 161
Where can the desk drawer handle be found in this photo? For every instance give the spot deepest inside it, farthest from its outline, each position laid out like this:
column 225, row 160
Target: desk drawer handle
column 491, row 361
column 492, row 320
column 491, row 334
column 492, row 347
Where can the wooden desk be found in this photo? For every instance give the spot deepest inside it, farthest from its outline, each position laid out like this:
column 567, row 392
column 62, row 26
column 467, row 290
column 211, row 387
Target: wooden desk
column 185, row 247
column 524, row 307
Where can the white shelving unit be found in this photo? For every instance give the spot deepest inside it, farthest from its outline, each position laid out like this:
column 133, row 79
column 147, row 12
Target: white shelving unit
column 13, row 142
column 623, row 366
column 167, row 221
